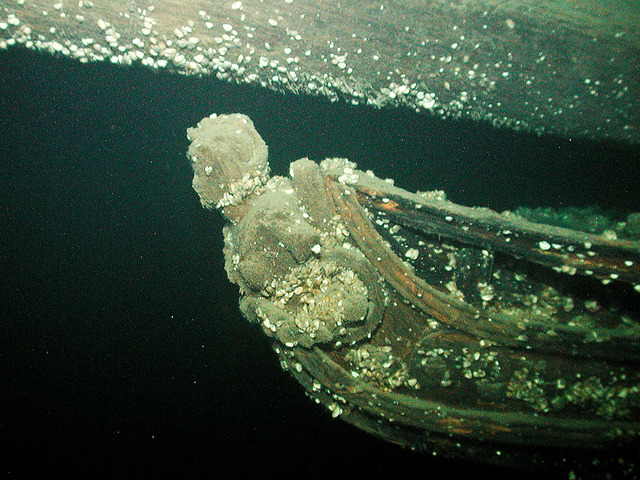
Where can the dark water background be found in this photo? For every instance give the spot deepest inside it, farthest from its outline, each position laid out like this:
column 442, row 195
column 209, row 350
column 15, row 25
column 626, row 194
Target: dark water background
column 122, row 350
